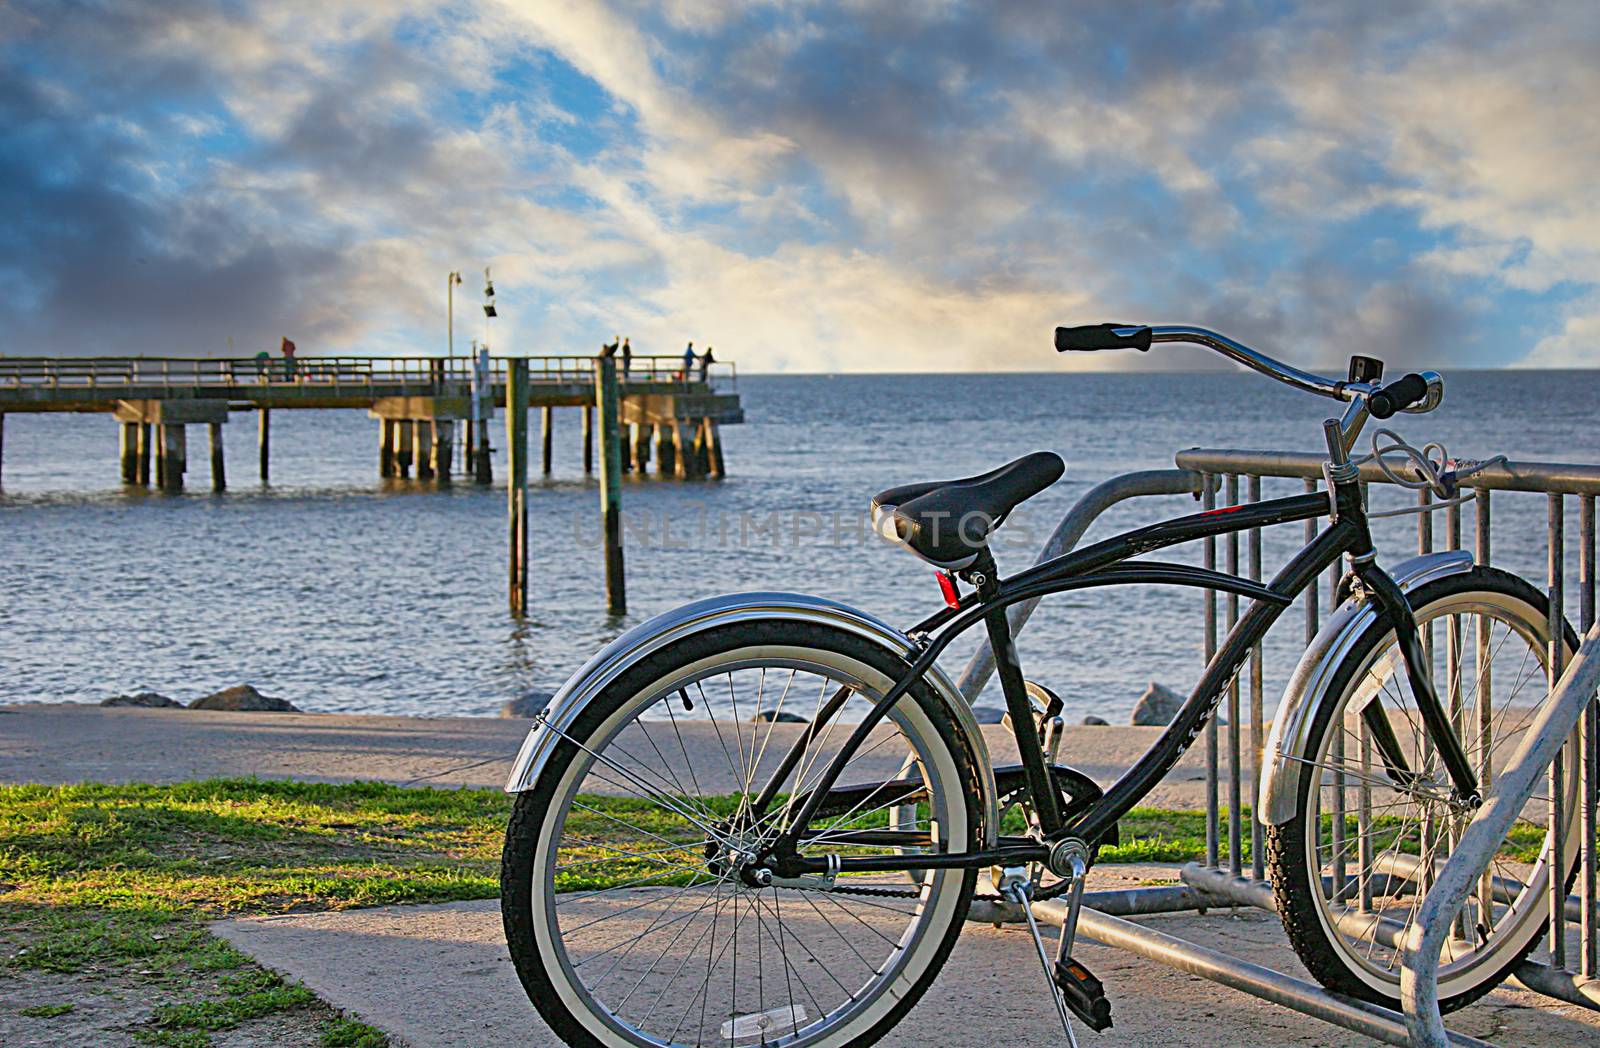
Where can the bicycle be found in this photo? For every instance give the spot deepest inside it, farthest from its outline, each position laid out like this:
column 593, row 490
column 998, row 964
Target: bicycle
column 648, row 853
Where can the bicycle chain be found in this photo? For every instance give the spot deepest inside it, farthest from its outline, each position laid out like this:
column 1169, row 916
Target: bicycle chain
column 882, row 893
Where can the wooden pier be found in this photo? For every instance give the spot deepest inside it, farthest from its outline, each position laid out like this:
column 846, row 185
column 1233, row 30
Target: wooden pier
column 426, row 408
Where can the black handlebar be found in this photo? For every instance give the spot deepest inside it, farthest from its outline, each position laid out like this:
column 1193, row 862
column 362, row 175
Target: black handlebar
column 1397, row 396
column 1090, row 337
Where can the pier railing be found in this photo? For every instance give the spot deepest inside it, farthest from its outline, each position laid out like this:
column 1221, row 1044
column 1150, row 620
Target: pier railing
column 1232, row 872
column 338, row 372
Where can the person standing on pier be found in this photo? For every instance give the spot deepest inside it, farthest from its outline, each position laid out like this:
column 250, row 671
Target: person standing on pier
column 288, row 359
column 609, row 349
column 706, row 360
column 627, row 357
column 688, row 363
column 263, row 362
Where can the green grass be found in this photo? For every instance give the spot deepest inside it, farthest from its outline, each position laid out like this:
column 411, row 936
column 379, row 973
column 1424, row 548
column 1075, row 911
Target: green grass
column 239, row 846
column 45, row 1011
column 120, row 879
column 262, row 993
column 347, row 1033
column 150, row 856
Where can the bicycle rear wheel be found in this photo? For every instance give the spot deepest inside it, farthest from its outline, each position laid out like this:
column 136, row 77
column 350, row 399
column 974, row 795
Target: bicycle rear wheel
column 627, row 909
column 1351, row 867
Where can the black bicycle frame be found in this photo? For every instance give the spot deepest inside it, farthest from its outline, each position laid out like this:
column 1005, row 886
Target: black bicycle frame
column 1107, row 563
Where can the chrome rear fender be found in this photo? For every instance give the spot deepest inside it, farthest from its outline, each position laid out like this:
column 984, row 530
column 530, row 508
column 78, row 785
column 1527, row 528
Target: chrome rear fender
column 647, row 637
column 1286, row 751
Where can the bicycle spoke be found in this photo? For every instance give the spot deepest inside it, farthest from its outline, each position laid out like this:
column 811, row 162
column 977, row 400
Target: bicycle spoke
column 669, row 935
column 1492, row 673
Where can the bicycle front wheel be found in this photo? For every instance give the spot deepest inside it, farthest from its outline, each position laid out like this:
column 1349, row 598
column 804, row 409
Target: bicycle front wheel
column 1351, row 867
column 629, row 916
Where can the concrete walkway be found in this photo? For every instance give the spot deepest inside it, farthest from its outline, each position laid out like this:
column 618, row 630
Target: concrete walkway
column 439, row 977
column 62, row 744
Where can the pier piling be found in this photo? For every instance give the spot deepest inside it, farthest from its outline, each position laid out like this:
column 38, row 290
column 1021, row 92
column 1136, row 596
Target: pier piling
column 517, row 479
column 2, row 443
column 682, row 451
column 700, row 453
column 443, row 449
column 142, row 477
column 422, row 441
column 173, row 462
column 402, row 448
column 264, row 441
column 386, row 448
column 588, row 440
column 219, row 466
column 128, row 446
column 666, row 448
column 611, row 430
column 714, row 436
column 546, row 420
column 483, row 466
column 641, row 445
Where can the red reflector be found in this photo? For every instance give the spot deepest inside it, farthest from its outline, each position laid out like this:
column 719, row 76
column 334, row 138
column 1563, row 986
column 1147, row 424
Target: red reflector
column 1220, row 511
column 947, row 586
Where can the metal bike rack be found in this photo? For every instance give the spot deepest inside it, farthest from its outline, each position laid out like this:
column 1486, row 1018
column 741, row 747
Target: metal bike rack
column 1223, row 878
column 1537, row 758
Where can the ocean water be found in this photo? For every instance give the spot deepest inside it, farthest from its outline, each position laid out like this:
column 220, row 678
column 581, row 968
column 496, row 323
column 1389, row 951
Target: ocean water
column 344, row 593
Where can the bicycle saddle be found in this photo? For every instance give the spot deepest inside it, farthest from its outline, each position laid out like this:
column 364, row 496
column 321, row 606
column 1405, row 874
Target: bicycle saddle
column 948, row 522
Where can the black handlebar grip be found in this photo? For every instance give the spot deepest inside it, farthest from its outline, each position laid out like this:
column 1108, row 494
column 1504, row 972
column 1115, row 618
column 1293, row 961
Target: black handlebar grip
column 1090, row 337
column 1397, row 396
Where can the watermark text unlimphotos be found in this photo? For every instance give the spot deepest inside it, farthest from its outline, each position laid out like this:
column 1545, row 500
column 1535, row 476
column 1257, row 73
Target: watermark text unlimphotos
column 702, row 527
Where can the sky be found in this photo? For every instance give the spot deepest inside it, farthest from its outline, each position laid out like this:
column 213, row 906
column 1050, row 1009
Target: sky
column 907, row 185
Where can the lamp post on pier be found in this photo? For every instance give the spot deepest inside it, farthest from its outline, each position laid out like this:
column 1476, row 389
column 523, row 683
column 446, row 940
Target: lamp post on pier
column 450, row 311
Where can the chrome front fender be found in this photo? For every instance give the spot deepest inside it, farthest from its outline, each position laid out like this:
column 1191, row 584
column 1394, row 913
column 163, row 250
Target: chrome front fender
column 647, row 637
column 1285, row 754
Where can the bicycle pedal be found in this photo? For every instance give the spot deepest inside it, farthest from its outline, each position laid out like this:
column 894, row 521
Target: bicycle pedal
column 1084, row 995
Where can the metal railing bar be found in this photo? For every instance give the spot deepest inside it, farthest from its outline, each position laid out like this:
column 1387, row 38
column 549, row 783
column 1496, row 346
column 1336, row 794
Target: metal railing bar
column 1547, row 477
column 1119, row 902
column 1557, row 813
column 1562, row 985
column 1336, row 751
column 1257, row 699
column 1209, row 501
column 1483, row 660
column 1313, row 595
column 1235, row 824
column 1506, row 889
column 1589, row 926
column 1429, row 824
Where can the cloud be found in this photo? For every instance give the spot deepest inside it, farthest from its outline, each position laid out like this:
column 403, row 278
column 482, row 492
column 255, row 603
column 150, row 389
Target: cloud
column 1576, row 344
column 874, row 186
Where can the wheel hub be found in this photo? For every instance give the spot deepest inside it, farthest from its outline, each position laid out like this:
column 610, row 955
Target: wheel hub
column 738, row 855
